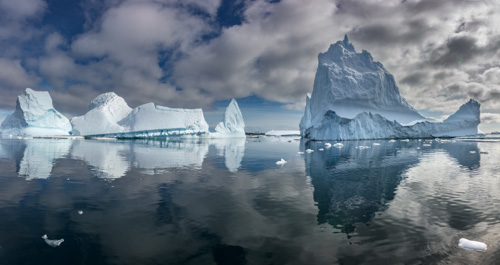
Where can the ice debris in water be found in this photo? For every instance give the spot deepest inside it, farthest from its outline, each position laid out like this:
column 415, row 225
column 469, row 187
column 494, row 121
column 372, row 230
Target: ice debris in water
column 309, row 150
column 376, row 144
column 338, row 145
column 328, row 145
column 300, row 153
column 52, row 242
column 392, row 141
column 472, row 245
column 281, row 162
column 426, row 145
column 472, row 152
column 321, row 149
column 405, row 140
column 80, row 212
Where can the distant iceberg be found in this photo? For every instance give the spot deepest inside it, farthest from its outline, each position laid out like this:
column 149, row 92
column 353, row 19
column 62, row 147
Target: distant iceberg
column 35, row 116
column 355, row 97
column 283, row 133
column 233, row 124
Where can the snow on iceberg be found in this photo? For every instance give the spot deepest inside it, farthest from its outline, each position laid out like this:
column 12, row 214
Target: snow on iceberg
column 104, row 115
column 355, row 97
column 35, row 116
column 233, row 124
column 110, row 114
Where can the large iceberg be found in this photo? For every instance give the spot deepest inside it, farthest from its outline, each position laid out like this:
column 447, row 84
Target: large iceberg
column 233, row 124
column 110, row 114
column 355, row 97
column 35, row 116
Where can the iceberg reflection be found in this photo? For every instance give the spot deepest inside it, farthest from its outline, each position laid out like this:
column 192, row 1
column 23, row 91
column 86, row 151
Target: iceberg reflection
column 110, row 160
column 355, row 182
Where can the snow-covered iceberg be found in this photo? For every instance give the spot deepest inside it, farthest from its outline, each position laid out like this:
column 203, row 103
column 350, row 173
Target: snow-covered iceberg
column 233, row 124
column 355, row 97
column 110, row 114
column 35, row 116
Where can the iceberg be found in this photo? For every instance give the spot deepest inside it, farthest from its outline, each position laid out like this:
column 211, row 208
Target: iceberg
column 355, row 97
column 110, row 114
column 233, row 124
column 472, row 245
column 35, row 116
column 283, row 133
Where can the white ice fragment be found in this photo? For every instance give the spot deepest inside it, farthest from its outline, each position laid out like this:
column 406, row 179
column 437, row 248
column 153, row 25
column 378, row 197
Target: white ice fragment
column 392, row 141
column 426, row 145
column 418, row 148
column 405, row 140
column 472, row 152
column 300, row 153
column 328, row 145
column 338, row 145
column 376, row 144
column 281, row 162
column 363, row 147
column 80, row 212
column 52, row 242
column 309, row 150
column 321, row 149
column 472, row 245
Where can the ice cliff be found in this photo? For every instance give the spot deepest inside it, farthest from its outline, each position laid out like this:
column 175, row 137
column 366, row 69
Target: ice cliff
column 109, row 113
column 233, row 124
column 35, row 116
column 355, row 97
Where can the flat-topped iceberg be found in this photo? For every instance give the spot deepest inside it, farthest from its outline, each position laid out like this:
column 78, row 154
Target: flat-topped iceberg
column 110, row 114
column 355, row 97
column 35, row 116
column 232, row 125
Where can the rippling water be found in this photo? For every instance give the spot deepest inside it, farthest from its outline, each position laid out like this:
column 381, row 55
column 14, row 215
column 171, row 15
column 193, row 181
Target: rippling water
column 227, row 202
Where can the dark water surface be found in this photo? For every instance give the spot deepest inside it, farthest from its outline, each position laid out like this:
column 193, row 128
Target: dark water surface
column 227, row 202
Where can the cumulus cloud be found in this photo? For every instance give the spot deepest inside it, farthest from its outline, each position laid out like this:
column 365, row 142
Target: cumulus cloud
column 183, row 54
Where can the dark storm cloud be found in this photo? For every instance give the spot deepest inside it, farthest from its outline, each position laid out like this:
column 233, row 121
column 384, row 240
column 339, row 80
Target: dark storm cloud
column 456, row 51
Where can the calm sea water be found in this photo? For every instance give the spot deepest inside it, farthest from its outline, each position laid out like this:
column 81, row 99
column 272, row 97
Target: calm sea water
column 227, row 202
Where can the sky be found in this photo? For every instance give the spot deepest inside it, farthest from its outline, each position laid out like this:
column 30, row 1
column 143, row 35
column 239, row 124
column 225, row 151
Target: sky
column 202, row 53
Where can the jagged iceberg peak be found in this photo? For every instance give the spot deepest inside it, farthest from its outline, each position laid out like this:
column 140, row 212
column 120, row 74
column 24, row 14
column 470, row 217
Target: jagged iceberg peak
column 233, row 123
column 349, row 83
column 355, row 97
column 36, row 116
column 107, row 99
column 468, row 111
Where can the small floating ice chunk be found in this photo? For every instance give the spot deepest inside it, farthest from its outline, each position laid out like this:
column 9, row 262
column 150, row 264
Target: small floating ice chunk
column 376, row 144
column 472, row 245
column 328, row 145
column 405, row 140
column 426, row 145
column 392, row 141
column 80, row 212
column 300, row 153
column 321, row 149
column 309, row 150
column 52, row 242
column 338, row 145
column 281, row 162
column 418, row 148
column 472, row 152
